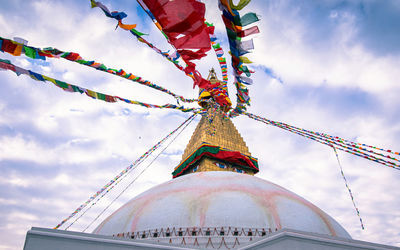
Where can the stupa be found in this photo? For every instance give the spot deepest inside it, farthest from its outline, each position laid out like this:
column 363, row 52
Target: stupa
column 214, row 199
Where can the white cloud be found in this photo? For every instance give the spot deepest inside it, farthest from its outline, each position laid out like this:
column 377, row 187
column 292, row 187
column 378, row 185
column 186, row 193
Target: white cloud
column 57, row 148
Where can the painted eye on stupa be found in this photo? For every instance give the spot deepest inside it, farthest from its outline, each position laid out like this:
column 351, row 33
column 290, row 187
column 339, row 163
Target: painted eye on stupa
column 239, row 170
column 220, row 165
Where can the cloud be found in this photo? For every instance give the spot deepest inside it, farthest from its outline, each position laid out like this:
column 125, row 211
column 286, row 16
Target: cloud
column 330, row 52
column 338, row 64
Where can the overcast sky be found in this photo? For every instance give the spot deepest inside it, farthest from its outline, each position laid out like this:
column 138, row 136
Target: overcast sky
column 328, row 66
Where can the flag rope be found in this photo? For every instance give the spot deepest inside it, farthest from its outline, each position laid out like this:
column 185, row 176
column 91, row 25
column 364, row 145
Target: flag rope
column 348, row 188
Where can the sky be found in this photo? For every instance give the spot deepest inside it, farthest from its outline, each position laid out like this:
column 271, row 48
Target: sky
column 329, row 66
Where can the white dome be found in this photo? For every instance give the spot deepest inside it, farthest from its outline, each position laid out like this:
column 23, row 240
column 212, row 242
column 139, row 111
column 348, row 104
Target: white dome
column 219, row 199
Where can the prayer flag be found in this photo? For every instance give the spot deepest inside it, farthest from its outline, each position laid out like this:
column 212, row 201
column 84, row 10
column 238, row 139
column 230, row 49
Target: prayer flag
column 8, row 46
column 36, row 76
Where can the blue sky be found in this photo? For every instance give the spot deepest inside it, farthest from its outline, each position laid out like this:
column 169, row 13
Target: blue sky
column 329, row 66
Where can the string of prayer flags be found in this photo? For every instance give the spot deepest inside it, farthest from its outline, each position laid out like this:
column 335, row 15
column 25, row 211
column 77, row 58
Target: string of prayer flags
column 219, row 52
column 7, row 65
column 220, row 92
column 235, row 24
column 123, row 172
column 338, row 143
column 75, row 57
column 324, row 140
column 335, row 140
column 359, row 145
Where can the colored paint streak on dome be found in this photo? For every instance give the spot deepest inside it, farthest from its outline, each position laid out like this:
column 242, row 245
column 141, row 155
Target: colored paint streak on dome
column 219, row 199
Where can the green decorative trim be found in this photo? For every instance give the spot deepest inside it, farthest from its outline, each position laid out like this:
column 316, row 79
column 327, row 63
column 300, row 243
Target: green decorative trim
column 218, row 153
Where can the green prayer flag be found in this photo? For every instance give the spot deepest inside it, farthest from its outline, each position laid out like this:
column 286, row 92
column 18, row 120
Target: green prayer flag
column 247, row 19
column 209, row 24
column 216, row 46
column 137, row 32
column 77, row 89
column 82, row 61
column 103, row 67
column 101, row 96
column 29, row 52
column 245, row 69
column 61, row 84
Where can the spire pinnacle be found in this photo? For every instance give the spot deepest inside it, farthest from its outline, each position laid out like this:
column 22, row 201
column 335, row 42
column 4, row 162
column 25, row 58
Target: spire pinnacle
column 212, row 76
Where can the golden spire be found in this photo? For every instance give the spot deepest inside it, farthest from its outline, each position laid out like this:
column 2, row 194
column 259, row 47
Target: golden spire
column 216, row 144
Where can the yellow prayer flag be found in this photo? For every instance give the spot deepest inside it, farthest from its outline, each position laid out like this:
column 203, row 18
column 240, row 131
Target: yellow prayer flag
column 245, row 59
column 92, row 93
column 93, row 3
column 49, row 79
column 240, row 5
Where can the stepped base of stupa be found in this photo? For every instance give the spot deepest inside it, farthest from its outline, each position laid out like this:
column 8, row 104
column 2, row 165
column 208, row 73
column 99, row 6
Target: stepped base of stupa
column 50, row 239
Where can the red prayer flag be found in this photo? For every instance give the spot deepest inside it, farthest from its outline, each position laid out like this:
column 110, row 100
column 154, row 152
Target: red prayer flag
column 72, row 56
column 45, row 54
column 248, row 32
column 193, row 41
column 4, row 65
column 181, row 18
column 8, row 46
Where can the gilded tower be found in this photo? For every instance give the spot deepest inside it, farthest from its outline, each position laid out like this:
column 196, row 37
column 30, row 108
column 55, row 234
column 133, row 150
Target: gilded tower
column 216, row 144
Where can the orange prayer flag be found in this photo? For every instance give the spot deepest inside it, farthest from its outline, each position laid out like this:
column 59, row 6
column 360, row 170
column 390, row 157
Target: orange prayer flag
column 18, row 50
column 126, row 26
